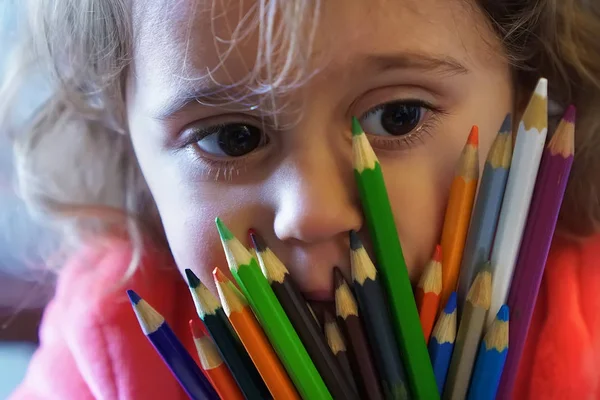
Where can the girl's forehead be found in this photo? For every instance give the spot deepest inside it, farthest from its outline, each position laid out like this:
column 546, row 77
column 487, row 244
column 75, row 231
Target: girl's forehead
column 182, row 46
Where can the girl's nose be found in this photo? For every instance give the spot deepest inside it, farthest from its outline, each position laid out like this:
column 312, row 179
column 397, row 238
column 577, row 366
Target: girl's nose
column 319, row 202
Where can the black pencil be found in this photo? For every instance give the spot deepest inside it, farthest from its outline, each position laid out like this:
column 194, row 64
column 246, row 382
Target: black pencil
column 338, row 347
column 233, row 353
column 303, row 320
column 347, row 314
column 373, row 307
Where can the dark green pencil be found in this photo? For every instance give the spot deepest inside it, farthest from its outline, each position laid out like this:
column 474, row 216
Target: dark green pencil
column 373, row 306
column 388, row 252
column 303, row 320
column 233, row 353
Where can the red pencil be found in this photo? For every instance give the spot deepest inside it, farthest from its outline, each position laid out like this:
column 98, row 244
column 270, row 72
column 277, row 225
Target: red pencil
column 428, row 292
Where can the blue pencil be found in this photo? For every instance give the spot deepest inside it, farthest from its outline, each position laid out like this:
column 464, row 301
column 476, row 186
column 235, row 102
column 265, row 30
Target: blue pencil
column 491, row 359
column 487, row 209
column 179, row 361
column 442, row 340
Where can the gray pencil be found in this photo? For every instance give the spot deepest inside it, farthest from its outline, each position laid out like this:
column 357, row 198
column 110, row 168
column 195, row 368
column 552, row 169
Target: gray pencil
column 469, row 335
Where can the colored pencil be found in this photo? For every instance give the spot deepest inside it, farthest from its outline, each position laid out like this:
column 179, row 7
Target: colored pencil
column 389, row 257
column 537, row 238
column 179, row 361
column 469, row 333
column 374, row 310
column 233, row 353
column 302, row 319
column 254, row 340
column 491, row 359
column 212, row 364
column 524, row 166
column 338, row 347
column 272, row 317
column 427, row 293
column 347, row 314
column 442, row 340
column 458, row 214
column 486, row 209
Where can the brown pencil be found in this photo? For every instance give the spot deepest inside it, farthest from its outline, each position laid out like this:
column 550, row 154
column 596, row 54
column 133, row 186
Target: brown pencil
column 348, row 318
column 338, row 347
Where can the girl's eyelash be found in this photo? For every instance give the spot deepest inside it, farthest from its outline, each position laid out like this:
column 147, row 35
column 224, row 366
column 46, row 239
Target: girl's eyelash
column 414, row 138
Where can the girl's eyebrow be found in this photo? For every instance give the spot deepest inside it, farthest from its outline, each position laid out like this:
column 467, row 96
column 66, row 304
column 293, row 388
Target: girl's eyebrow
column 202, row 92
column 442, row 64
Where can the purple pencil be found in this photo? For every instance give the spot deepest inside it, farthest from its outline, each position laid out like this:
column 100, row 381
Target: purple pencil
column 537, row 238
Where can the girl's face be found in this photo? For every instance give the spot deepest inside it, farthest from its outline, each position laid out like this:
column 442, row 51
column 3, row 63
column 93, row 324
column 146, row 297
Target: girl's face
column 418, row 75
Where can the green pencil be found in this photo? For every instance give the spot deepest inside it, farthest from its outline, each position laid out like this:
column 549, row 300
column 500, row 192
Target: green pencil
column 272, row 318
column 380, row 221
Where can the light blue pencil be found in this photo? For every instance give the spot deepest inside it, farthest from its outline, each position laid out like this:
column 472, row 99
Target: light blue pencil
column 442, row 340
column 486, row 211
column 491, row 359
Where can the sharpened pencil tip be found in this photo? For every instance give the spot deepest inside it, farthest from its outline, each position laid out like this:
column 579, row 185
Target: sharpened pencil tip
column 451, row 304
column 251, row 232
column 197, row 328
column 437, row 254
column 219, row 275
column 503, row 313
column 224, row 232
column 356, row 128
column 541, row 89
column 570, row 114
column 338, row 278
column 258, row 242
column 192, row 279
column 506, row 124
column 473, row 136
column 133, row 297
column 355, row 242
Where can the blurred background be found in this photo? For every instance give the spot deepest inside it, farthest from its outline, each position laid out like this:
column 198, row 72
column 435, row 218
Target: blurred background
column 24, row 286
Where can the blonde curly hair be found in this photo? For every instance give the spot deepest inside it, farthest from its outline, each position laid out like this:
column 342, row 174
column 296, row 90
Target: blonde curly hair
column 85, row 47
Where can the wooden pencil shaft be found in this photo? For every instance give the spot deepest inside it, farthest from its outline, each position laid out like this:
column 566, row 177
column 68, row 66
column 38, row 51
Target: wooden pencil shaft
column 181, row 364
column 314, row 341
column 254, row 340
column 456, row 219
column 280, row 332
column 524, row 167
column 374, row 312
column 482, row 228
column 531, row 262
column 365, row 369
column 465, row 351
column 235, row 356
column 395, row 277
column 490, row 360
column 344, row 363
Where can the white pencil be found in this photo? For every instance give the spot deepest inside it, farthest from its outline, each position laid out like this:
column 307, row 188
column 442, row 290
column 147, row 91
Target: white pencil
column 529, row 145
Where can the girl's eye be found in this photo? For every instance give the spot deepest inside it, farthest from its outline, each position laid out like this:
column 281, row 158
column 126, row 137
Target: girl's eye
column 398, row 118
column 231, row 140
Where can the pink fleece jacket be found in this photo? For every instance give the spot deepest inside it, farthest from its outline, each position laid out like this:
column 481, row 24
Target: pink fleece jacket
column 91, row 346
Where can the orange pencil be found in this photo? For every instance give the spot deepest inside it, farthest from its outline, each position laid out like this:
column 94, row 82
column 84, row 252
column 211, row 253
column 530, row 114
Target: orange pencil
column 259, row 349
column 212, row 364
column 458, row 214
column 428, row 292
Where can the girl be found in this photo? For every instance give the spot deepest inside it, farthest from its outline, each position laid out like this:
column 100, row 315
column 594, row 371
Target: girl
column 167, row 114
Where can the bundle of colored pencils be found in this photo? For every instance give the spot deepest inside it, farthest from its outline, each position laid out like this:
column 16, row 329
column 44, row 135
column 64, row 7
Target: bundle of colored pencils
column 259, row 339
